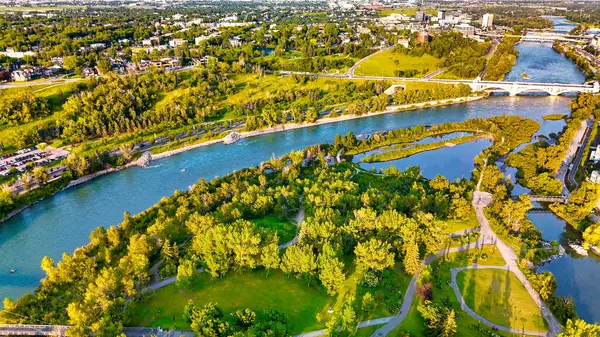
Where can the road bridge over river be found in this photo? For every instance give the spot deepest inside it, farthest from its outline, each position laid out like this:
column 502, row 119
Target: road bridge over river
column 513, row 88
column 542, row 37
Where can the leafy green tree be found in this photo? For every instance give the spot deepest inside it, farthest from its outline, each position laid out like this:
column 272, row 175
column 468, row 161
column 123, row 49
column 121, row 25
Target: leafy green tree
column 270, row 255
column 41, row 175
column 368, row 303
column 580, row 328
column 374, row 255
column 412, row 262
column 311, row 115
column 331, row 270
column 6, row 197
column 449, row 327
column 104, row 66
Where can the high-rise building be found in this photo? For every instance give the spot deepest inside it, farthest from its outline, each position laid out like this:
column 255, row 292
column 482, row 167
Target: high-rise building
column 441, row 15
column 487, row 21
column 420, row 16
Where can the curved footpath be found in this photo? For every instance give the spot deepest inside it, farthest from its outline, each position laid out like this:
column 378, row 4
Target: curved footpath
column 480, row 200
column 350, row 72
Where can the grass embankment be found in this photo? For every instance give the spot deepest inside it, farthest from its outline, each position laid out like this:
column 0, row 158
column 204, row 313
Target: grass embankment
column 388, row 63
column 443, row 294
column 403, row 152
column 499, row 296
column 285, row 229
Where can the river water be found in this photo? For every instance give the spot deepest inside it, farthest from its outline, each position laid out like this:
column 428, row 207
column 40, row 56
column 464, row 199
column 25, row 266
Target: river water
column 64, row 221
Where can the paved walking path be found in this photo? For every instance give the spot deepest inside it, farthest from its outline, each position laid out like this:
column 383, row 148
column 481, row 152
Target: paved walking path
column 412, row 287
column 363, row 324
column 350, row 72
column 298, row 219
column 480, row 201
column 475, row 315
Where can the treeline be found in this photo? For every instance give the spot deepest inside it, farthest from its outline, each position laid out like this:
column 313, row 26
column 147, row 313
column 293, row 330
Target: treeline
column 502, row 61
column 463, row 56
column 579, row 61
column 440, row 92
column 125, row 104
column 398, row 220
column 538, row 163
column 22, row 107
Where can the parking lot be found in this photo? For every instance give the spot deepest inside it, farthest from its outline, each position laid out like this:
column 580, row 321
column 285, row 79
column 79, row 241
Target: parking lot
column 20, row 159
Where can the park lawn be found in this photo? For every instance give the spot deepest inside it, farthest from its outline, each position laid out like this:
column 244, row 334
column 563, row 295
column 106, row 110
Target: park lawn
column 462, row 225
column 285, row 229
column 442, row 292
column 388, row 62
column 500, row 297
column 367, row 331
column 250, row 289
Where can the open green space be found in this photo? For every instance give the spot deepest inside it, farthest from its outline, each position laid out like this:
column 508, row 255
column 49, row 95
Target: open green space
column 499, row 296
column 285, row 229
column 444, row 296
column 409, row 11
column 454, row 226
column 389, row 62
column 251, row 289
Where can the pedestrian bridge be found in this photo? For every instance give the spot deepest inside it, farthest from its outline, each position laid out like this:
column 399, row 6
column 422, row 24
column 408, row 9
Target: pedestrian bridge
column 542, row 37
column 516, row 88
column 549, row 198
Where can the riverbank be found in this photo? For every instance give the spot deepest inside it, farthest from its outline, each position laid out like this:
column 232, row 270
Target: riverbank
column 72, row 183
column 250, row 134
column 322, row 121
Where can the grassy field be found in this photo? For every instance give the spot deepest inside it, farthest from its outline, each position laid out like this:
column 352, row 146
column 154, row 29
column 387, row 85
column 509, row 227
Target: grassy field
column 388, row 62
column 499, row 296
column 285, row 229
column 237, row 291
column 461, row 225
column 409, row 11
column 442, row 292
column 251, row 289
